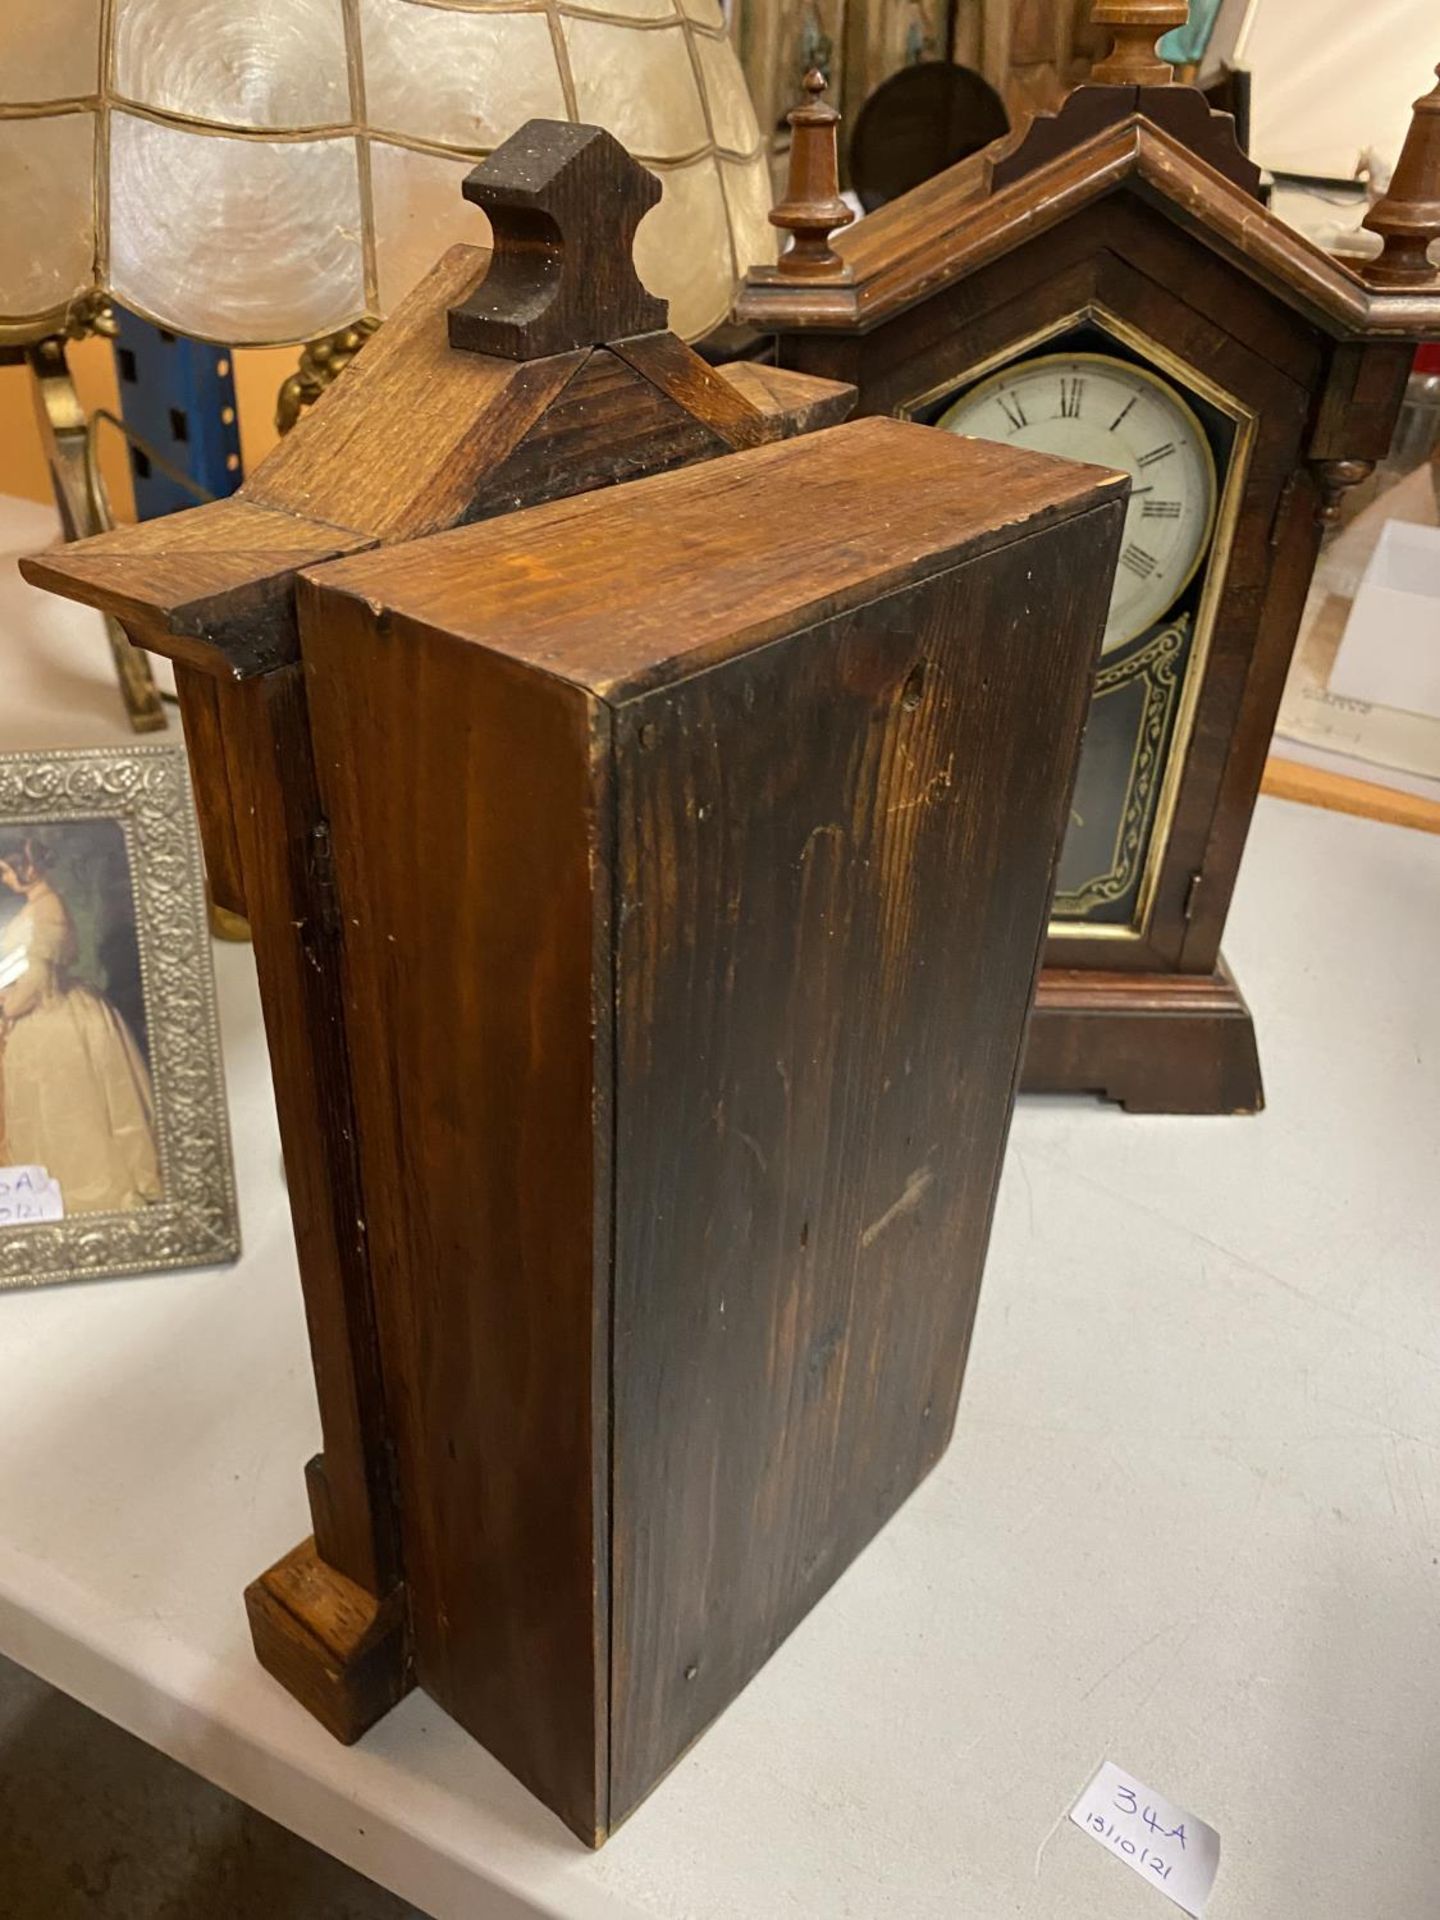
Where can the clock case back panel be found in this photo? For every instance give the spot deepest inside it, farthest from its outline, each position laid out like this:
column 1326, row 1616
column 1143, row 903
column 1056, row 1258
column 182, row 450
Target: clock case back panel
column 1133, row 206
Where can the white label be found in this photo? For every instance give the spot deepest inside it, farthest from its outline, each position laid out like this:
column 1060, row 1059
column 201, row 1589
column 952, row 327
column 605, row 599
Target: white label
column 28, row 1197
column 1162, row 1843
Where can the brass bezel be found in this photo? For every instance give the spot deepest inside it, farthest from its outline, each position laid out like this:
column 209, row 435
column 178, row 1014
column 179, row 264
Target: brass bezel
column 1227, row 517
column 1163, row 632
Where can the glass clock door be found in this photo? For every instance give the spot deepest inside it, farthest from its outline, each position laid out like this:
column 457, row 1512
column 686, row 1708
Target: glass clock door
column 1089, row 396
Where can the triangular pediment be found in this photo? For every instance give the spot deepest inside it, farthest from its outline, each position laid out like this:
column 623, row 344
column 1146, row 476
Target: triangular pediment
column 417, row 437
column 977, row 212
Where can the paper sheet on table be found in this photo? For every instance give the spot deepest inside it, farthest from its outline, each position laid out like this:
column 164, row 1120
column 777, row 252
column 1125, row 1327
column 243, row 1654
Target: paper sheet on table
column 1178, row 1854
column 1310, row 712
column 1390, row 653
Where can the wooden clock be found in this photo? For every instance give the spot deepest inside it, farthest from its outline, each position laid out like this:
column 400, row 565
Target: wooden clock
column 1106, row 285
column 629, row 866
column 528, row 373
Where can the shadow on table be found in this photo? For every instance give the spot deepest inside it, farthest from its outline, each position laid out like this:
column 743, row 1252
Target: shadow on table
column 94, row 1825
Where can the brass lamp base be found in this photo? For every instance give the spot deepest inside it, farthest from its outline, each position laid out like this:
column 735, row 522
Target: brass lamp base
column 64, row 435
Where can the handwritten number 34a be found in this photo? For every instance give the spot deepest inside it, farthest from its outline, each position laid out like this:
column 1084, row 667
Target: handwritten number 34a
column 1127, row 1803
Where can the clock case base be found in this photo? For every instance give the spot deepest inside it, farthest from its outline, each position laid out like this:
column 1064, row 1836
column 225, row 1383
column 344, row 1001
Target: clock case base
column 1153, row 1042
column 340, row 1651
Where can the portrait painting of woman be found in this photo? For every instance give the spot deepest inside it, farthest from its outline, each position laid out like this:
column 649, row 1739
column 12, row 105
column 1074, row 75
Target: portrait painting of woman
column 75, row 1089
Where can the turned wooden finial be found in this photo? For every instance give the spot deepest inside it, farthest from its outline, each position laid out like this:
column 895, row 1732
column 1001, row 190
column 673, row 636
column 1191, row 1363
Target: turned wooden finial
column 1407, row 218
column 1136, row 24
column 812, row 208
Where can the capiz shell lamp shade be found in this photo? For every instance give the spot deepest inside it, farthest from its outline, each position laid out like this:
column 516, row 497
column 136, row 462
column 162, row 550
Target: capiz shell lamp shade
column 266, row 173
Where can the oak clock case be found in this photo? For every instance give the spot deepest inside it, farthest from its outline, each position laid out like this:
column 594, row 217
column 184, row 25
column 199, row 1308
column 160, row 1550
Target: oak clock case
column 1118, row 250
column 1086, row 394
column 728, row 823
column 506, row 378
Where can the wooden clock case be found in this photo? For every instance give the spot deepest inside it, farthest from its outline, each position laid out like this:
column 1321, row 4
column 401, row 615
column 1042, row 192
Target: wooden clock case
column 627, row 876
column 538, row 369
column 720, row 843
column 1132, row 208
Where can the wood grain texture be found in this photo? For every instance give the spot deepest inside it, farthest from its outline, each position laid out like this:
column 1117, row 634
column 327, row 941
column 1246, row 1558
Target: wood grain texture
column 705, row 391
column 329, row 1642
column 497, row 585
column 793, row 408
column 1159, row 1043
column 200, row 698
column 414, row 437
column 699, row 861
column 1089, row 111
column 213, row 588
column 608, row 424
column 393, row 448
column 905, row 250
column 564, row 202
column 833, row 864
column 295, row 929
column 209, row 588
column 471, row 878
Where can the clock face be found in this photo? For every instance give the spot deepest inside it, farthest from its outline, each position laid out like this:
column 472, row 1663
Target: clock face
column 1088, row 406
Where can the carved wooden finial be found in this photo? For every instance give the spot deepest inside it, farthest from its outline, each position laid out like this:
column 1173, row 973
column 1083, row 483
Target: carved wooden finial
column 1136, row 24
column 564, row 202
column 812, row 208
column 1407, row 218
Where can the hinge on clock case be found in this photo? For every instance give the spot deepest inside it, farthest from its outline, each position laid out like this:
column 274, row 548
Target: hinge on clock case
column 1192, row 894
column 1282, row 508
column 322, row 878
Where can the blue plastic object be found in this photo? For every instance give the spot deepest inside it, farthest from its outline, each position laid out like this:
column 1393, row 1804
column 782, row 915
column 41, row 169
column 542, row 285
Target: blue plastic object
column 1186, row 45
column 178, row 396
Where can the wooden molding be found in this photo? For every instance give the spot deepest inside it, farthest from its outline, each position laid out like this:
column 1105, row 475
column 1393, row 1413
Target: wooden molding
column 1182, row 112
column 341, row 1652
column 952, row 227
column 1155, row 1043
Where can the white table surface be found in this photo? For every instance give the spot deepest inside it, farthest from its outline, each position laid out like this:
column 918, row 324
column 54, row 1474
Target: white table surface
column 1190, row 1519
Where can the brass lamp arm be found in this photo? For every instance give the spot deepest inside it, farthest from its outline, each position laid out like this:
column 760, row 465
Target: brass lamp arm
column 95, row 480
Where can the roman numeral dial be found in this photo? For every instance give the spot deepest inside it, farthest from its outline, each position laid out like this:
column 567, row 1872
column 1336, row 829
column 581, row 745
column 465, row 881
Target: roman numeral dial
column 1113, row 413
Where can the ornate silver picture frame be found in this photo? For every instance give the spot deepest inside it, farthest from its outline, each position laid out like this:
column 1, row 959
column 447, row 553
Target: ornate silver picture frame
column 114, row 1136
